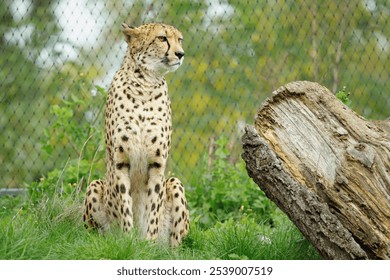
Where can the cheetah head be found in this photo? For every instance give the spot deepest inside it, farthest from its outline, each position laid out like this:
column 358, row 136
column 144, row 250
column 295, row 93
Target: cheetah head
column 155, row 47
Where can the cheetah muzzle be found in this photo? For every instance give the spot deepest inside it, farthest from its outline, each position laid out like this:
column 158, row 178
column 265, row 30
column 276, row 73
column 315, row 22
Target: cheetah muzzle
column 138, row 129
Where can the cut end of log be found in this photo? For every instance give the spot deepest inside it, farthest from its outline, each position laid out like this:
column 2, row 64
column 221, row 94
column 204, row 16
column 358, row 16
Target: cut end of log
column 326, row 167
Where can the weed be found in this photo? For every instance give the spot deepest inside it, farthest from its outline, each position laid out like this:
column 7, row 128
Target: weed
column 343, row 96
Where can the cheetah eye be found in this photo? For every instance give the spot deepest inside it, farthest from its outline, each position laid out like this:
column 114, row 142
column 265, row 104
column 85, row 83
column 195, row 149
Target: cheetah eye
column 162, row 38
column 180, row 41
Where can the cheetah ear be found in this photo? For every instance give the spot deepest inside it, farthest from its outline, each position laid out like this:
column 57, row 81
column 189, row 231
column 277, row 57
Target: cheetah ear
column 130, row 31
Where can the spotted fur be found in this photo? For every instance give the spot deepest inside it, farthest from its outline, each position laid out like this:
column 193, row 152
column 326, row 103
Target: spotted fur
column 138, row 131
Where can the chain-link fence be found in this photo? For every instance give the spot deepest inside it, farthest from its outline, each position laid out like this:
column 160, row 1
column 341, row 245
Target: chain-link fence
column 55, row 53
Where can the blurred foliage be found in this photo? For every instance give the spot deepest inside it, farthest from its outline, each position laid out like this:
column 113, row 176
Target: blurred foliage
column 237, row 53
column 83, row 139
column 343, row 96
column 231, row 193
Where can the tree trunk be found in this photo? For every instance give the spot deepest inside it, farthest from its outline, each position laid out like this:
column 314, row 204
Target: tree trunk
column 326, row 167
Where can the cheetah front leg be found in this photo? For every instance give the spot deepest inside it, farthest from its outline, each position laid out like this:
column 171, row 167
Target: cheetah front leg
column 120, row 186
column 156, row 195
column 178, row 216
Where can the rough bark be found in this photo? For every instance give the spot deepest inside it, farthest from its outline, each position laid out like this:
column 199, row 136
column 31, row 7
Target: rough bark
column 326, row 167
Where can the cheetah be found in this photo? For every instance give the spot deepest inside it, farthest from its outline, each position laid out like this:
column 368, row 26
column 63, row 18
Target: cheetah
column 138, row 128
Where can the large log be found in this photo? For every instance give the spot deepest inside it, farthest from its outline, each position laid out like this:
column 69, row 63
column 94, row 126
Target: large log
column 326, row 167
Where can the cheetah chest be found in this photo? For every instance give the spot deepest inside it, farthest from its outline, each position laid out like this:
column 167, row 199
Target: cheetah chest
column 138, row 124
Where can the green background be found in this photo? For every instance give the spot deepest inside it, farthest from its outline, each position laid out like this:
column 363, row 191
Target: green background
column 53, row 54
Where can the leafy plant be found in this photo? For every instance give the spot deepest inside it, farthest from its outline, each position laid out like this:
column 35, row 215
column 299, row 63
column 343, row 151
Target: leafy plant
column 71, row 178
column 66, row 130
column 343, row 96
column 224, row 191
column 83, row 141
column 9, row 204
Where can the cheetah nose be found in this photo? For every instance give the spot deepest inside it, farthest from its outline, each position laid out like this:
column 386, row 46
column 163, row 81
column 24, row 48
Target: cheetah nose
column 179, row 54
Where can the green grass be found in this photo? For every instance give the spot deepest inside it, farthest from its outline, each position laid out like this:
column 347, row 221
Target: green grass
column 52, row 229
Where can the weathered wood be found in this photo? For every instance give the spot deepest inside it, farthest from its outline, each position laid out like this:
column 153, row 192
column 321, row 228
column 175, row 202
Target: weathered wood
column 326, row 167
